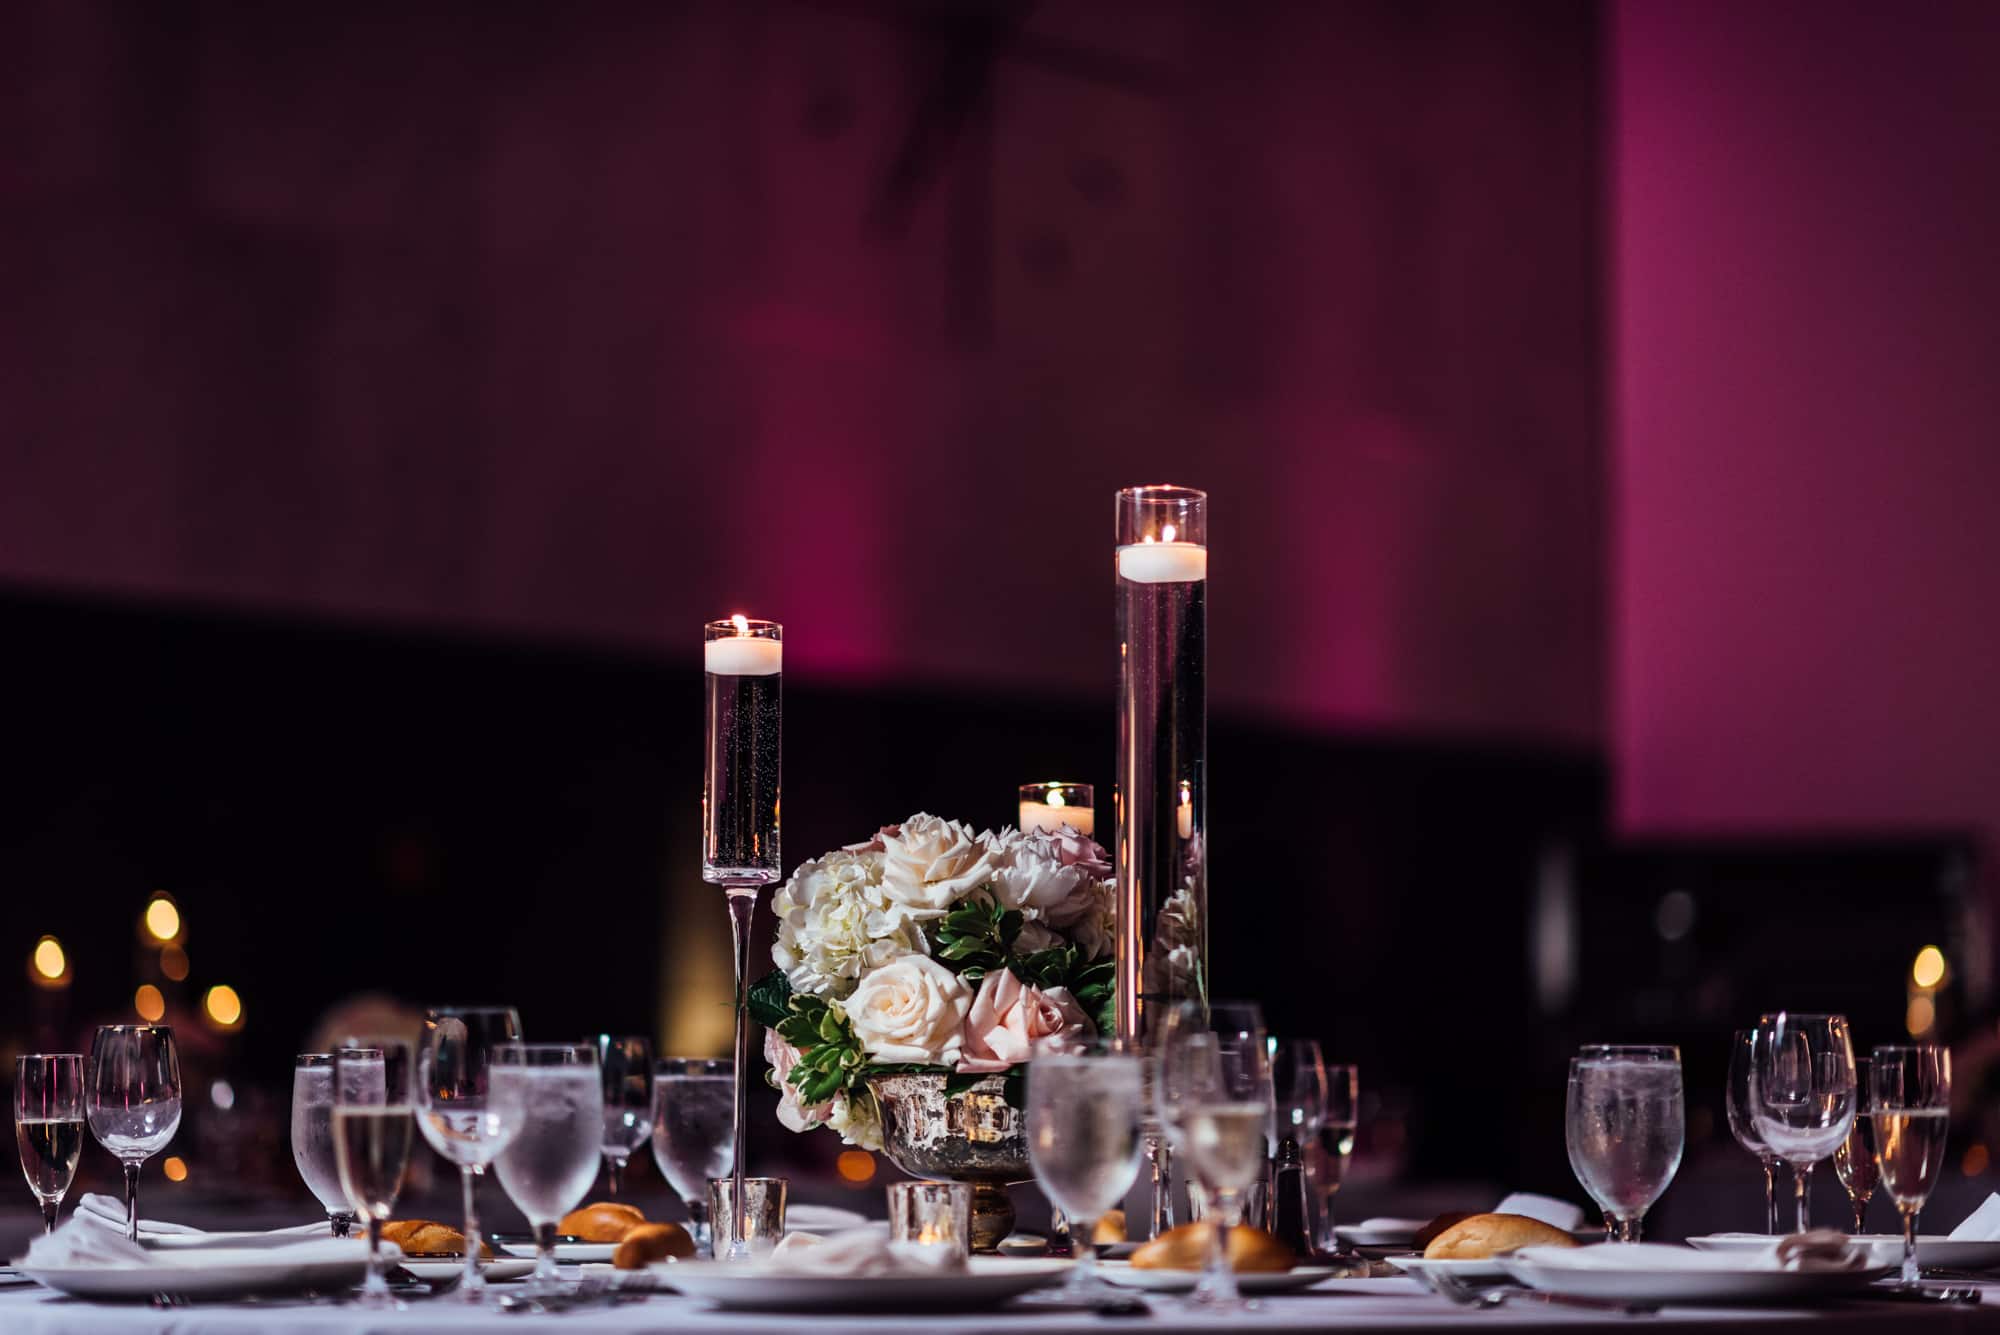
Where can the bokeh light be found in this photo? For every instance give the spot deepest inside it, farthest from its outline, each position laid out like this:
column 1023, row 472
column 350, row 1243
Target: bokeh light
column 224, row 1007
column 176, row 1169
column 1928, row 971
column 48, row 965
column 163, row 917
column 150, row 1004
column 1920, row 1015
column 174, row 963
column 855, row 1166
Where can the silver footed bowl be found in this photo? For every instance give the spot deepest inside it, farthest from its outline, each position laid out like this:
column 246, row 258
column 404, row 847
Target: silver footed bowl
column 972, row 1136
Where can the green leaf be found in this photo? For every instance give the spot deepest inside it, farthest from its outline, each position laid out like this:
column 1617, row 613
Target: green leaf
column 770, row 998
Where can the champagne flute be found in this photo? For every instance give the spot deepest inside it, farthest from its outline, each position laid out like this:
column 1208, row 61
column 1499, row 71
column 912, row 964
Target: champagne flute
column 627, row 1068
column 693, row 1138
column 374, row 1120
column 1912, row 1111
column 1214, row 1089
column 554, row 1095
column 1803, row 1093
column 1336, row 1146
column 1086, row 1106
column 1854, row 1161
column 456, row 1112
column 134, row 1100
column 48, row 1125
column 1743, row 1119
column 1626, row 1127
column 312, row 1137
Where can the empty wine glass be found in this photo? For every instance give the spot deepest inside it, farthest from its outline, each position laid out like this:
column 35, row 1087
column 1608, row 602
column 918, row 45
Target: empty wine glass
column 1854, row 1160
column 1336, row 1146
column 312, row 1137
column 48, row 1125
column 553, row 1094
column 1298, row 1088
column 456, row 1112
column 693, row 1133
column 1214, row 1092
column 1626, row 1126
column 1743, row 1119
column 627, row 1067
column 1086, row 1105
column 1803, row 1093
column 134, row 1101
column 374, row 1121
column 1912, row 1112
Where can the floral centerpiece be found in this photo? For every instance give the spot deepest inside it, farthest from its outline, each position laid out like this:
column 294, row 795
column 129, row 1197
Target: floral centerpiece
column 931, row 949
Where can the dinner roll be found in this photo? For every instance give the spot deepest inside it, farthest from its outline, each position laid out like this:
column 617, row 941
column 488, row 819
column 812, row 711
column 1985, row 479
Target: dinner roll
column 1185, row 1248
column 601, row 1221
column 1110, row 1228
column 427, row 1237
column 652, row 1242
column 1439, row 1225
column 1482, row 1235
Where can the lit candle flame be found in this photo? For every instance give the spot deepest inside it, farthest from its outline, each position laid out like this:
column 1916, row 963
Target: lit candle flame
column 741, row 622
column 1166, row 533
column 1056, row 797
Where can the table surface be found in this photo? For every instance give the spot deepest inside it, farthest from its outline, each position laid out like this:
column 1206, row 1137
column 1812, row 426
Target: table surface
column 1394, row 1305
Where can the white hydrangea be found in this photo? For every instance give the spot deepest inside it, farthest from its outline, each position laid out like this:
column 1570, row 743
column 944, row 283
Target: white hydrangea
column 835, row 923
column 857, row 1119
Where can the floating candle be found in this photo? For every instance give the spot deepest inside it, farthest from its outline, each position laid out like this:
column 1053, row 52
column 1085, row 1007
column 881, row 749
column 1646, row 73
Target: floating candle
column 1050, row 806
column 1163, row 562
column 743, row 654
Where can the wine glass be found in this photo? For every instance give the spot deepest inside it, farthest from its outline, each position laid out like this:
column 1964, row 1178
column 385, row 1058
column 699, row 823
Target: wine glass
column 1626, row 1126
column 1854, row 1160
column 1336, row 1145
column 312, row 1136
column 1214, row 1092
column 1086, row 1106
column 48, row 1125
column 1802, row 1092
column 553, row 1094
column 373, row 1123
column 627, row 1067
column 455, row 1110
column 693, row 1138
column 1912, row 1112
column 134, row 1099
column 1298, row 1090
column 1743, row 1119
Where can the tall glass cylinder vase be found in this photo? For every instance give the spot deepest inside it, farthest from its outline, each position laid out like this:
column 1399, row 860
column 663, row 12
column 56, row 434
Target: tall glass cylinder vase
column 1162, row 798
column 743, row 670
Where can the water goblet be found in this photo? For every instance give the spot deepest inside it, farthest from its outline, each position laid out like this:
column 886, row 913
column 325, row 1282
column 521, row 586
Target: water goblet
column 134, row 1100
column 627, row 1067
column 48, row 1125
column 1085, row 1123
column 374, row 1121
column 1214, row 1092
column 1626, row 1126
column 1328, row 1166
column 694, row 1103
column 1743, row 1119
column 553, row 1096
column 1854, row 1160
column 1803, row 1093
column 312, row 1137
column 1912, row 1112
column 456, row 1111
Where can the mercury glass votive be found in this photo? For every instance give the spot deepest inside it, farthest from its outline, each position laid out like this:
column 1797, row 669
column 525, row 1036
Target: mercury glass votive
column 932, row 1221
column 754, row 1228
column 1052, row 805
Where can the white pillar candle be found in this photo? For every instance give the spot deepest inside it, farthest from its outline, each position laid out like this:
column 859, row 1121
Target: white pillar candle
column 1042, row 816
column 743, row 656
column 1163, row 562
column 1184, row 819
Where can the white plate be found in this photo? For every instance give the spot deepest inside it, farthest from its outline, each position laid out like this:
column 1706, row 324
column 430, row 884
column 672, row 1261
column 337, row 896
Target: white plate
column 751, row 1287
column 575, row 1253
column 224, row 1272
column 497, row 1271
column 1181, row 1281
column 1389, row 1233
column 1647, row 1285
column 1932, row 1249
column 1487, row 1268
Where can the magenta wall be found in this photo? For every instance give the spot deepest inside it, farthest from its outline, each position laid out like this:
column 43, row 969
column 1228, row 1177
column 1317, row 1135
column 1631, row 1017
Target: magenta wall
column 1806, row 508
column 592, row 322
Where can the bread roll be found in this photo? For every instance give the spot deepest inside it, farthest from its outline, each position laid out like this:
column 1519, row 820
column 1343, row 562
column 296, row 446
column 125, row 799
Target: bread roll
column 1439, row 1225
column 426, row 1237
column 601, row 1221
column 1186, row 1247
column 652, row 1242
column 1110, row 1228
column 1482, row 1235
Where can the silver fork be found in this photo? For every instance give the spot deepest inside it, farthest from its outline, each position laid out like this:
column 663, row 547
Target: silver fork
column 1456, row 1290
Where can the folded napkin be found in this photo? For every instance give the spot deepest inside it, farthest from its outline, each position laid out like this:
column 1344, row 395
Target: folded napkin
column 1390, row 1224
column 1982, row 1225
column 1822, row 1250
column 1555, row 1213
column 861, row 1251
column 105, row 1211
column 822, row 1218
column 86, row 1242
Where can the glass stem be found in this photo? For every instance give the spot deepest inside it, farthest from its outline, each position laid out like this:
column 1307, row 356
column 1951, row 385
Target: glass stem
column 704, row 1236
column 1910, row 1276
column 546, row 1274
column 1082, row 1245
column 1162, row 1157
column 1802, row 1187
column 1626, row 1230
column 374, row 1289
column 49, row 1208
column 1860, row 1215
column 1770, row 1195
column 468, row 1182
column 131, row 1202
column 742, row 911
column 1218, row 1281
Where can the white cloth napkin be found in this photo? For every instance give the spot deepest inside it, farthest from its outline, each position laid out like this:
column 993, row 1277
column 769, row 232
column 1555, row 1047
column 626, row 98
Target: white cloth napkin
column 1389, row 1224
column 85, row 1241
column 106, row 1211
column 822, row 1218
column 1982, row 1225
column 1821, row 1250
column 861, row 1251
column 1555, row 1213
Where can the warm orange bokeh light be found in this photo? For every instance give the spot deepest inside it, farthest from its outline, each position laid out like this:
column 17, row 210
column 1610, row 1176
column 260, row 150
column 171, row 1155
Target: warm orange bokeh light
column 855, row 1165
column 163, row 918
column 49, row 963
column 224, row 1006
column 152, row 1007
column 174, row 963
column 176, row 1170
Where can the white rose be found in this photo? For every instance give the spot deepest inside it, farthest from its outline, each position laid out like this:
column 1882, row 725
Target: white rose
column 857, row 1119
column 1096, row 932
column 835, row 923
column 910, row 1011
column 929, row 862
column 1032, row 877
column 1008, row 1018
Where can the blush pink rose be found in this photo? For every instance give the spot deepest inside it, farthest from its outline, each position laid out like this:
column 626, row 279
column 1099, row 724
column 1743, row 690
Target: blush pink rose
column 1008, row 1018
column 783, row 1057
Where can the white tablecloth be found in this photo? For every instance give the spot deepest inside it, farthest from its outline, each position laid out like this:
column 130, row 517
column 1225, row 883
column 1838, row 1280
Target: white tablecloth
column 1391, row 1305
